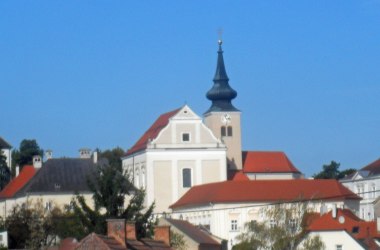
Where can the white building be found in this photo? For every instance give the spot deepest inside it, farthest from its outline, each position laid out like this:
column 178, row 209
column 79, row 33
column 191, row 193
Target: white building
column 226, row 207
column 177, row 152
column 341, row 229
column 5, row 149
column 366, row 183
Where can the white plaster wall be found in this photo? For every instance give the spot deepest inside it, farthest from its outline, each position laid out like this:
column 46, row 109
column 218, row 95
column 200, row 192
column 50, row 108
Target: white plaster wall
column 368, row 189
column 333, row 238
column 220, row 215
column 273, row 176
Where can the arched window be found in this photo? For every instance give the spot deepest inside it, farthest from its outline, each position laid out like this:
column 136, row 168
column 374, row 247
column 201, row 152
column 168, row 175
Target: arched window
column 186, row 177
column 229, row 131
column 223, row 131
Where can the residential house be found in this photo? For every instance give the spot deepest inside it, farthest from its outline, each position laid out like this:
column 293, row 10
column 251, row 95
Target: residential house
column 366, row 183
column 341, row 229
column 53, row 182
column 225, row 207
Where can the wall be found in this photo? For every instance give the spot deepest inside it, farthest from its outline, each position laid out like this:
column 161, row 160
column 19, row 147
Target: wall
column 333, row 238
column 219, row 216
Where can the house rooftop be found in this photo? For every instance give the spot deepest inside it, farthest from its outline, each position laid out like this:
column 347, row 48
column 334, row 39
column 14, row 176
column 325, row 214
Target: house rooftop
column 264, row 191
column 17, row 183
column 152, row 132
column 4, row 144
column 59, row 175
column 267, row 162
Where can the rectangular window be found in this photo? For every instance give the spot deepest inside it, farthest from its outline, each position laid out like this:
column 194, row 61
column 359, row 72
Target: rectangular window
column 186, row 177
column 339, row 247
column 223, row 131
column 234, row 225
column 229, row 131
column 185, row 137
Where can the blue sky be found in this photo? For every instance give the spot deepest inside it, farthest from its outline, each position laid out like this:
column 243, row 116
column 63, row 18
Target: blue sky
column 97, row 73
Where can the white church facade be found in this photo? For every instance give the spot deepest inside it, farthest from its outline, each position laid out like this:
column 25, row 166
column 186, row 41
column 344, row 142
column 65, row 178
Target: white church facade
column 181, row 149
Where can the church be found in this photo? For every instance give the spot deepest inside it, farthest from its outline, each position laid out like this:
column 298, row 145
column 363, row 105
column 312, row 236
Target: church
column 182, row 149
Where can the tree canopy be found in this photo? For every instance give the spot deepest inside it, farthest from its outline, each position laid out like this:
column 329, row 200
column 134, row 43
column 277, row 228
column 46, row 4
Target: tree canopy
column 5, row 173
column 331, row 171
column 111, row 187
column 24, row 155
column 283, row 229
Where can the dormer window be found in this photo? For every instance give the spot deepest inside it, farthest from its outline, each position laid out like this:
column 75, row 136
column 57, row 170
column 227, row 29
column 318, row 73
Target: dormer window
column 186, row 137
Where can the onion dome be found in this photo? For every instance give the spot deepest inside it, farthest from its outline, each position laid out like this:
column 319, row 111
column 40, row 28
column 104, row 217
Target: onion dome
column 221, row 93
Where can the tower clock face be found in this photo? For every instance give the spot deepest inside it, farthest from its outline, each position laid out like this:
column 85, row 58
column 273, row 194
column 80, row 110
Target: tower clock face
column 226, row 118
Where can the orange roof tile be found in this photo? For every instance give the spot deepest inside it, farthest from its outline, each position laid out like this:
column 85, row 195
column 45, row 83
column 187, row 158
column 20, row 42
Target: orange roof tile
column 238, row 176
column 18, row 182
column 267, row 162
column 265, row 191
column 358, row 228
column 152, row 132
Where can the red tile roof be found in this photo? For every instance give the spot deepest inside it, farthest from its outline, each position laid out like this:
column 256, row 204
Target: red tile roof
column 364, row 229
column 237, row 176
column 19, row 182
column 373, row 168
column 194, row 232
column 267, row 162
column 264, row 191
column 152, row 132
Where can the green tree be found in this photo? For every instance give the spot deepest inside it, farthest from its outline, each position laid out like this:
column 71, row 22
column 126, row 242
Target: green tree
column 31, row 226
column 110, row 188
column 24, row 155
column 5, row 173
column 331, row 171
column 284, row 228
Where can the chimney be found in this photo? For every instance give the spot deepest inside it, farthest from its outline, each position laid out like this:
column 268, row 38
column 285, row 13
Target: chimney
column 85, row 153
column 116, row 229
column 17, row 170
column 334, row 211
column 48, row 154
column 95, row 157
column 322, row 209
column 162, row 233
column 130, row 228
column 37, row 161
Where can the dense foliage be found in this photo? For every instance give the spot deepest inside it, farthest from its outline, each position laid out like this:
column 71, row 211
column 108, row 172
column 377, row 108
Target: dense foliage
column 5, row 173
column 331, row 171
column 24, row 155
column 111, row 187
column 283, row 229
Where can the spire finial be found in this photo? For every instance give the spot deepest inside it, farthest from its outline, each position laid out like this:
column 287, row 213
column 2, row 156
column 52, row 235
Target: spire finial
column 221, row 93
column 220, row 40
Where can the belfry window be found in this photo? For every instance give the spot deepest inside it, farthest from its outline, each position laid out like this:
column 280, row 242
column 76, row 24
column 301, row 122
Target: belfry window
column 229, row 131
column 186, row 177
column 223, row 131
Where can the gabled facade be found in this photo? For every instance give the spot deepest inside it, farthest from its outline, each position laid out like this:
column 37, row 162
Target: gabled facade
column 177, row 152
column 226, row 207
column 366, row 183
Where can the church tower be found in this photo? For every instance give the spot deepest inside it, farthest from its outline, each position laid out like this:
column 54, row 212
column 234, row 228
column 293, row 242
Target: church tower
column 222, row 117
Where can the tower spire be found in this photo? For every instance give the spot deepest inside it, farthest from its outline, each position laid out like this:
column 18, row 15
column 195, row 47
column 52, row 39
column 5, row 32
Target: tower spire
column 221, row 93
